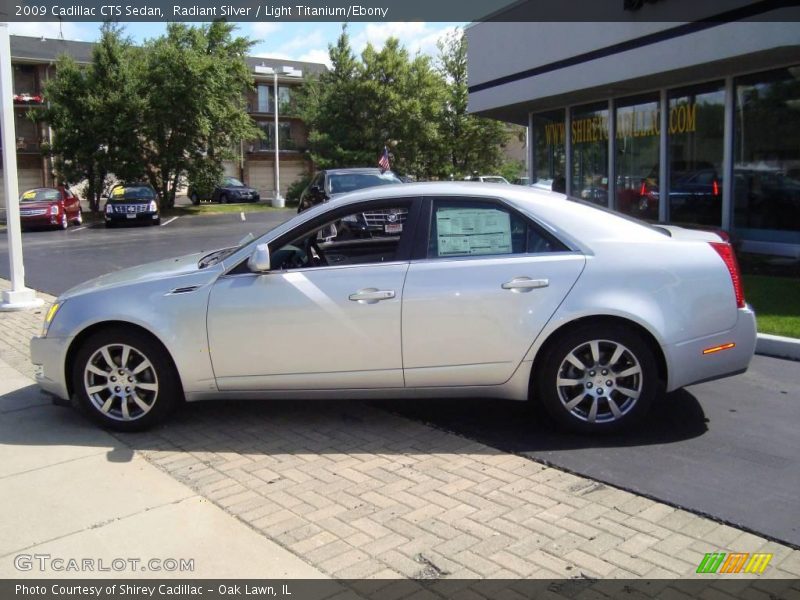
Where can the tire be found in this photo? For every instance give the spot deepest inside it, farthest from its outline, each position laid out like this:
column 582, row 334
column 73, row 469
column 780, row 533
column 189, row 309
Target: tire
column 64, row 223
column 79, row 219
column 145, row 364
column 613, row 388
column 223, row 199
column 157, row 222
column 195, row 199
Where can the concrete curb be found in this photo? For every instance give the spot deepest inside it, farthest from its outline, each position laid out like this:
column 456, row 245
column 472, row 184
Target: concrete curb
column 779, row 346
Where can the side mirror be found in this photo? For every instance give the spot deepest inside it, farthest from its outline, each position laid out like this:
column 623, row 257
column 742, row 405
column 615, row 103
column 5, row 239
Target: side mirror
column 259, row 261
column 314, row 190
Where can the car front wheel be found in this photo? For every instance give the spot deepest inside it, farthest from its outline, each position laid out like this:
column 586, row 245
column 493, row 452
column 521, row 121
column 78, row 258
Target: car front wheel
column 64, row 223
column 598, row 378
column 124, row 380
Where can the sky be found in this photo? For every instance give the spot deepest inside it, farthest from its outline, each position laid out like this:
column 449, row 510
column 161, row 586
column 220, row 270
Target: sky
column 291, row 41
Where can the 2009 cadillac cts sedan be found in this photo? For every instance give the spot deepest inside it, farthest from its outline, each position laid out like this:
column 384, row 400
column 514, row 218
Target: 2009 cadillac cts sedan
column 459, row 289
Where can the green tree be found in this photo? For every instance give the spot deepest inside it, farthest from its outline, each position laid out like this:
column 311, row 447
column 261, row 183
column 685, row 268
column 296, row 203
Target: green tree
column 383, row 98
column 193, row 110
column 92, row 112
column 473, row 144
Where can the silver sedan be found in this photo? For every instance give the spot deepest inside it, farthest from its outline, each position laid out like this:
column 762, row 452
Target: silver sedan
column 422, row 290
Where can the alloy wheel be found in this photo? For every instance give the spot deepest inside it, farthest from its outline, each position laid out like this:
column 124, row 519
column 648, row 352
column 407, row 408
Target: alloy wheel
column 599, row 381
column 121, row 382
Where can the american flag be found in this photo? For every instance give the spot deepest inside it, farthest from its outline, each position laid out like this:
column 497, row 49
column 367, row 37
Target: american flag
column 383, row 161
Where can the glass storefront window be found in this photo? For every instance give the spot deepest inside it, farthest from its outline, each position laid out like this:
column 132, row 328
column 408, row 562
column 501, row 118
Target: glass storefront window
column 766, row 186
column 549, row 150
column 637, row 157
column 696, row 143
column 589, row 130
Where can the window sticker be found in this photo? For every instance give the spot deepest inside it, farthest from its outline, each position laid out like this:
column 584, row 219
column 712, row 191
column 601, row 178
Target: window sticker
column 118, row 191
column 28, row 195
column 473, row 231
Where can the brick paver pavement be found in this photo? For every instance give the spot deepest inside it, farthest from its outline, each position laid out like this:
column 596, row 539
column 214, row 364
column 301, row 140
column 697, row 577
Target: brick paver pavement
column 359, row 492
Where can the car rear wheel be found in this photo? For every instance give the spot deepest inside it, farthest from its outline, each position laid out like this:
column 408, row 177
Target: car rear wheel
column 597, row 378
column 124, row 380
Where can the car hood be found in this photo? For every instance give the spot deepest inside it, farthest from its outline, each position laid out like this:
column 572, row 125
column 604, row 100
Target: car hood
column 167, row 270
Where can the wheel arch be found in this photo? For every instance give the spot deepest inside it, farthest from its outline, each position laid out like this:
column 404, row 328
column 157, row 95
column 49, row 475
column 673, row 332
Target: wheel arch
column 647, row 335
column 84, row 334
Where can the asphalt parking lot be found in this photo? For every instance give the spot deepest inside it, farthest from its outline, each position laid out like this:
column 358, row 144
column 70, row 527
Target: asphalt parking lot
column 724, row 449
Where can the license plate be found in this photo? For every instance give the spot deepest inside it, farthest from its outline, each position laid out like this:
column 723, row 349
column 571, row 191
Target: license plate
column 393, row 228
column 131, row 216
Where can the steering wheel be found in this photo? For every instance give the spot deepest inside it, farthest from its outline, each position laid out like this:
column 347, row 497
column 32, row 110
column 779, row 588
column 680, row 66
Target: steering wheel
column 314, row 255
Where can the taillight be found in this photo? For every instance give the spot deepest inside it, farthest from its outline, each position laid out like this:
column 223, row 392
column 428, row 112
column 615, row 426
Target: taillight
column 715, row 188
column 643, row 189
column 725, row 251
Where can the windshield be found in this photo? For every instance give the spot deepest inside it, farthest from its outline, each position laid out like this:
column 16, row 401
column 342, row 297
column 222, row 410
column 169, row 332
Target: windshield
column 137, row 192
column 42, row 195
column 350, row 182
column 232, row 182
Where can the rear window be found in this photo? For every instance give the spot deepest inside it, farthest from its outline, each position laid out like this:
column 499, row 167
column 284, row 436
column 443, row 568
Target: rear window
column 350, row 182
column 41, row 195
column 137, row 192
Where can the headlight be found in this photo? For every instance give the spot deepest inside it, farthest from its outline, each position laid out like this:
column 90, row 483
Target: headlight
column 152, row 206
column 51, row 314
column 109, row 209
column 54, row 209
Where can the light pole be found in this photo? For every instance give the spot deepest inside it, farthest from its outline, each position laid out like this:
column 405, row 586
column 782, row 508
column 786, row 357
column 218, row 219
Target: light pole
column 278, row 201
column 18, row 297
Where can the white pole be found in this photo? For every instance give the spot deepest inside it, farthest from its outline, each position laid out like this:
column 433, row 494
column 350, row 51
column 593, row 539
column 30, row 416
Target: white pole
column 19, row 297
column 278, row 201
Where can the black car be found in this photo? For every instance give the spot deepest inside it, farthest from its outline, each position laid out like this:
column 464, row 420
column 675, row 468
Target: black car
column 132, row 203
column 330, row 183
column 230, row 189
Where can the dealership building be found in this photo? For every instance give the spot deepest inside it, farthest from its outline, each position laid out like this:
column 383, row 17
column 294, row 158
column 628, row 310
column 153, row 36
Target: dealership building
column 694, row 122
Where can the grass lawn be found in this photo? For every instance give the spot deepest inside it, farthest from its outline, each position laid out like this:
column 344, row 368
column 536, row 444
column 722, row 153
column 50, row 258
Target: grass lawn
column 217, row 209
column 776, row 301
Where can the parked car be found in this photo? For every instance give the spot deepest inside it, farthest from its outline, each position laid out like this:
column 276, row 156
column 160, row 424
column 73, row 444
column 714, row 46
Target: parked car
column 487, row 178
column 132, row 203
column 54, row 207
column 229, row 190
column 482, row 292
column 330, row 183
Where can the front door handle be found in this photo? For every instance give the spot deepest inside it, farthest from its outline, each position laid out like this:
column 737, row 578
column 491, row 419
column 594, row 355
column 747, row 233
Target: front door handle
column 371, row 295
column 525, row 284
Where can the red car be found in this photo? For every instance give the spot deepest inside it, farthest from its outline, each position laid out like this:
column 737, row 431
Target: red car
column 49, row 207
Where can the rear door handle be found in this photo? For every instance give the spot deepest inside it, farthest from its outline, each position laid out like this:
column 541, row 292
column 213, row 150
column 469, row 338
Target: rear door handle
column 371, row 295
column 525, row 284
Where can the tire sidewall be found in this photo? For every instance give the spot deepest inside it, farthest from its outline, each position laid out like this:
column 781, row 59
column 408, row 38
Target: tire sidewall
column 169, row 389
column 544, row 386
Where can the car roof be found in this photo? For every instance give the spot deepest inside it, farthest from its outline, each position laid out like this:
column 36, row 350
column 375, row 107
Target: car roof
column 354, row 170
